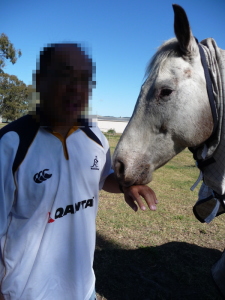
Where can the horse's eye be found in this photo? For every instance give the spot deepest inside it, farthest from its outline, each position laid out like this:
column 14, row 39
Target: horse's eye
column 165, row 92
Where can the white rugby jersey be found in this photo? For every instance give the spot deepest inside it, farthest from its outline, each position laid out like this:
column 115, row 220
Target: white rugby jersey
column 48, row 206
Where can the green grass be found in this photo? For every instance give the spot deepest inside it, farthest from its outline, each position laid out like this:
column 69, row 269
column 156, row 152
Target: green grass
column 2, row 125
column 165, row 254
column 113, row 140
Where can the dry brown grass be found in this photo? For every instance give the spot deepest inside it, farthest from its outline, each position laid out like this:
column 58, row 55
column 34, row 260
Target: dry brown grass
column 165, row 254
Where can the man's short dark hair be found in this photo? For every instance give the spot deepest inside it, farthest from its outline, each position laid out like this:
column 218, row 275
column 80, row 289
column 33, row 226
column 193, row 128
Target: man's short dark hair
column 48, row 52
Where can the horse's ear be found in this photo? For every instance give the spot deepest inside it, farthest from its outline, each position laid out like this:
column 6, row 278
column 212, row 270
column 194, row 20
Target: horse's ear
column 183, row 32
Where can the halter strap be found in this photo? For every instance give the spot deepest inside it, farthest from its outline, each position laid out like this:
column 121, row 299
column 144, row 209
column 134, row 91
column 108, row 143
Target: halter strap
column 209, row 88
column 202, row 163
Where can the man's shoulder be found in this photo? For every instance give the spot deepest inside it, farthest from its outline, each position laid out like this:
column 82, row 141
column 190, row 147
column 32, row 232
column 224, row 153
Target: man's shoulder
column 26, row 129
column 23, row 126
column 94, row 134
column 101, row 136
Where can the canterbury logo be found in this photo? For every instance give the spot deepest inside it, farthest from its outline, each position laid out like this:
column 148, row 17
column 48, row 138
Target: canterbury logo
column 41, row 176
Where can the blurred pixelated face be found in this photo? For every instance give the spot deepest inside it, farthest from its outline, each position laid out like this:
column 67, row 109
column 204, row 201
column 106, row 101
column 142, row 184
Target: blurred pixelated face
column 66, row 85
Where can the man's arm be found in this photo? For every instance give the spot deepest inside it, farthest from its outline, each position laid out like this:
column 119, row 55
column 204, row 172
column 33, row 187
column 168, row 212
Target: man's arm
column 8, row 148
column 132, row 194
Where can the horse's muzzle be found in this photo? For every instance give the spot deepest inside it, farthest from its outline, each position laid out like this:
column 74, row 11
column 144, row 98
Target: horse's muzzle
column 129, row 173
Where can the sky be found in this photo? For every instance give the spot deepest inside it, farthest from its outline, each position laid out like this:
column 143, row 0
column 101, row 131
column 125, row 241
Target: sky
column 120, row 35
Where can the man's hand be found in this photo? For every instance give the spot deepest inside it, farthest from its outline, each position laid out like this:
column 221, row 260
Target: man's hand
column 133, row 194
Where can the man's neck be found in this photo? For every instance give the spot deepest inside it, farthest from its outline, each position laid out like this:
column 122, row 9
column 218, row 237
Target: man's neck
column 63, row 130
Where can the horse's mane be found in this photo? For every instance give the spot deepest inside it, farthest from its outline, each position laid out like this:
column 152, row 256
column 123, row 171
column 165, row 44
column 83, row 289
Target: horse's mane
column 167, row 49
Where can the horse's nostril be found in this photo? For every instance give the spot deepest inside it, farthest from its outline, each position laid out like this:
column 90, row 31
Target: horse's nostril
column 119, row 166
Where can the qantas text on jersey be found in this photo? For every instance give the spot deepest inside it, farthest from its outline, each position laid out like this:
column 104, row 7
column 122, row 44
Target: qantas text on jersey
column 71, row 209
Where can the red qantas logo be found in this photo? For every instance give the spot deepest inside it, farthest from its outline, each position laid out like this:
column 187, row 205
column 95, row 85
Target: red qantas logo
column 50, row 220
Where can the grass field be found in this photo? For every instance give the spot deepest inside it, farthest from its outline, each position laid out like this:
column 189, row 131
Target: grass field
column 165, row 254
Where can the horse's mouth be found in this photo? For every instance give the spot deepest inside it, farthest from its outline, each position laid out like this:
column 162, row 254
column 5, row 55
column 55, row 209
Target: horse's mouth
column 129, row 182
column 127, row 176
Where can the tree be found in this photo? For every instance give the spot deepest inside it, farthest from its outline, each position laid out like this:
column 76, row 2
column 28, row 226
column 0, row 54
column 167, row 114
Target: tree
column 7, row 51
column 13, row 97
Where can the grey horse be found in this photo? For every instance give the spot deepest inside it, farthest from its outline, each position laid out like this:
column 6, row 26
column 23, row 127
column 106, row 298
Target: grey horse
column 175, row 110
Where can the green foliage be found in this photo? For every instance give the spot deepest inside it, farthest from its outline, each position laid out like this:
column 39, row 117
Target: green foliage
column 111, row 131
column 13, row 97
column 7, row 51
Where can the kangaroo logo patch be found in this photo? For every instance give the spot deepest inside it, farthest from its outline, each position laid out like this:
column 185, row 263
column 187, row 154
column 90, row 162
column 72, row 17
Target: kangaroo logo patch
column 95, row 164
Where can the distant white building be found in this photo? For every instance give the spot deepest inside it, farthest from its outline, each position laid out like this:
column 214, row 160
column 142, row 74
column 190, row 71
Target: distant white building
column 107, row 123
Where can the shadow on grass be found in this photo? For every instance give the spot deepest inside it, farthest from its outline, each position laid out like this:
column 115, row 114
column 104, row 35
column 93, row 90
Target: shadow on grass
column 176, row 271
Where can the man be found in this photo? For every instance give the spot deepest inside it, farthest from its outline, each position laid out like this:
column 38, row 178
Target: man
column 53, row 165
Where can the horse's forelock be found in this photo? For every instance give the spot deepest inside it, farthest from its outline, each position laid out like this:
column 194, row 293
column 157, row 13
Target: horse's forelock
column 167, row 49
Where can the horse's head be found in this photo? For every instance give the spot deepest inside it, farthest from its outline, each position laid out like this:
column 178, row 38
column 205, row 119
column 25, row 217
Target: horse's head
column 172, row 111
